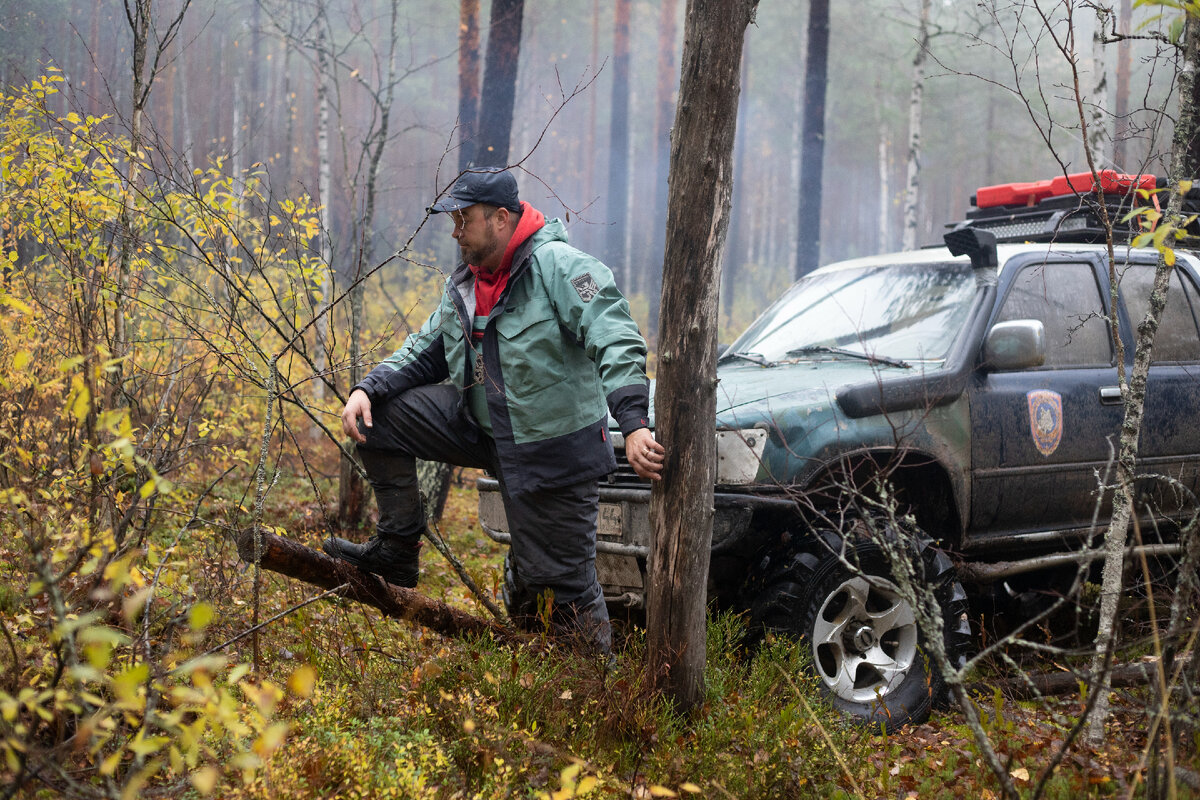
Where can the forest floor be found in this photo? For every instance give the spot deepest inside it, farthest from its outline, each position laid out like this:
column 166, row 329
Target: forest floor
column 406, row 713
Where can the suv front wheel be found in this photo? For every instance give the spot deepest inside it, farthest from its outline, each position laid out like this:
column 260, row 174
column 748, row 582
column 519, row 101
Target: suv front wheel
column 866, row 647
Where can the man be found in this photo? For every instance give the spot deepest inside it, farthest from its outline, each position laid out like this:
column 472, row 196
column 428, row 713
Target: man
column 512, row 373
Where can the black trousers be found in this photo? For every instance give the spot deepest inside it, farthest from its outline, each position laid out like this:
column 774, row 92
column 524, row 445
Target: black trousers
column 553, row 549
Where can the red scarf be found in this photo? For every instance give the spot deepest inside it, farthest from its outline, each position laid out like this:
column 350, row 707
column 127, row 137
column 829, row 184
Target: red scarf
column 490, row 285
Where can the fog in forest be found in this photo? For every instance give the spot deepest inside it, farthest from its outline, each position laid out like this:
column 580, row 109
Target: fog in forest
column 238, row 85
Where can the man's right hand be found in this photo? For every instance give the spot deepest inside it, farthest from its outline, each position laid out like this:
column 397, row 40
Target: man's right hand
column 359, row 405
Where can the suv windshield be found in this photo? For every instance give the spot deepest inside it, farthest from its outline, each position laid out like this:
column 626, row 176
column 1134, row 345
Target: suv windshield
column 909, row 312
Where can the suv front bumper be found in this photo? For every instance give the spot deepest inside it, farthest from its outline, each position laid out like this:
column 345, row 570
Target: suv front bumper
column 623, row 531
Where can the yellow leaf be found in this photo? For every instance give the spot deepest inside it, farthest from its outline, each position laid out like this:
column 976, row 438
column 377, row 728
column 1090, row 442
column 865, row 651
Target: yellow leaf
column 205, row 779
column 661, row 791
column 271, row 738
column 690, row 788
column 199, row 616
column 586, row 784
column 148, row 745
column 302, row 681
column 1020, row 774
column 109, row 765
column 82, row 402
column 126, row 684
column 13, row 302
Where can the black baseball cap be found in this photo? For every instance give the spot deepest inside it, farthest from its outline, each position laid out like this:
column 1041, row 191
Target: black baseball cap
column 490, row 186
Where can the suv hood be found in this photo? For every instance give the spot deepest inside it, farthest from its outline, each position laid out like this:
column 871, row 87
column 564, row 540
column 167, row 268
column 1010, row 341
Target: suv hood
column 748, row 393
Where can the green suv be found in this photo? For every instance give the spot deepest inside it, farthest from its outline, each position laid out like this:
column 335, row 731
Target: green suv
column 975, row 385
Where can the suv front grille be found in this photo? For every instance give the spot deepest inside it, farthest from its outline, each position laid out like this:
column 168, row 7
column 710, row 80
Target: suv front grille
column 624, row 474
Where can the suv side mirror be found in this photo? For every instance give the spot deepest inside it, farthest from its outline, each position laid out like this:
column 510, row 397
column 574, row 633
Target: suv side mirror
column 1016, row 344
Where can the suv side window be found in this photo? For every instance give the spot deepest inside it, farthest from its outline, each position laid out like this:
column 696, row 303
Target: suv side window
column 1178, row 337
column 1067, row 300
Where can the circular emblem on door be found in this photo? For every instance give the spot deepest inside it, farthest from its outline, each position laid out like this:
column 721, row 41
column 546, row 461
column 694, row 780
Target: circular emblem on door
column 1045, row 419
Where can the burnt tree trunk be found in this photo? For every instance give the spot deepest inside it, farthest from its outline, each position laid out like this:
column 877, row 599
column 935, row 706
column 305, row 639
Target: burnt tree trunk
column 499, row 83
column 701, row 185
column 468, row 81
column 294, row 560
column 812, row 146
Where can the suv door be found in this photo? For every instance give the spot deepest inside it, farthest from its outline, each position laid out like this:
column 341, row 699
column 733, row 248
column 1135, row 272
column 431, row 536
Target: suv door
column 1039, row 435
column 1170, row 439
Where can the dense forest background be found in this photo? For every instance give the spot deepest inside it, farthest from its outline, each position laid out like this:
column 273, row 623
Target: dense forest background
column 240, row 83
column 212, row 222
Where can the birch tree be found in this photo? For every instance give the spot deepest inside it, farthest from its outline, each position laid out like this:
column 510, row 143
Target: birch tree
column 915, row 116
column 1099, row 138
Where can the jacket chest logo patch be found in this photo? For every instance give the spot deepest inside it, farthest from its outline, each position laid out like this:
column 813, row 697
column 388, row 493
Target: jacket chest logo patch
column 586, row 286
column 1045, row 419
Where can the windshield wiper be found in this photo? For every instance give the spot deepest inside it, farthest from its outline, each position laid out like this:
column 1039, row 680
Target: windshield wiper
column 841, row 351
column 753, row 358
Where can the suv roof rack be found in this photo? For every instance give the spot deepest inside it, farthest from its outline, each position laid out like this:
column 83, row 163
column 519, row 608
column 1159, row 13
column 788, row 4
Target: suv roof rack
column 1064, row 209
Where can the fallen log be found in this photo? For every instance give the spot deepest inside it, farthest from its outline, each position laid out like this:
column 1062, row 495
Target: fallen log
column 1054, row 683
column 290, row 558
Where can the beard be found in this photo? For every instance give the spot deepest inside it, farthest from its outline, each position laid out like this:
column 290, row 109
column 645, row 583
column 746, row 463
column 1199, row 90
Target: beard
column 476, row 255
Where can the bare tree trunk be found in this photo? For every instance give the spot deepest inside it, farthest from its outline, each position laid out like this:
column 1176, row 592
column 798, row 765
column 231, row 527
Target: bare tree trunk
column 685, row 403
column 794, row 169
column 468, row 81
column 146, row 66
column 352, row 488
column 1134, row 392
column 664, row 112
column 236, row 143
column 885, row 186
column 1121, row 106
column 499, row 83
column 812, row 153
column 736, row 252
column 618, row 148
column 915, row 117
column 325, row 193
column 589, row 143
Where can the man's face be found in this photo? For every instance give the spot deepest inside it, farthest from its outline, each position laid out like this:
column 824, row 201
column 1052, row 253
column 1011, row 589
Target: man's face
column 478, row 237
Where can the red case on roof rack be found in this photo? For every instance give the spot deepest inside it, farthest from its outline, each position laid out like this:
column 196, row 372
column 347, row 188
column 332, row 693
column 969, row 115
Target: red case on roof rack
column 1032, row 193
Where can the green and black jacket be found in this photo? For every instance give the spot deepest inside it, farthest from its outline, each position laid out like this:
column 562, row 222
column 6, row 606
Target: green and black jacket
column 559, row 346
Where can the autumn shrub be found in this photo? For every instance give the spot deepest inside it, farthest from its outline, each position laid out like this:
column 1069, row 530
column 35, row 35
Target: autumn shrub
column 128, row 379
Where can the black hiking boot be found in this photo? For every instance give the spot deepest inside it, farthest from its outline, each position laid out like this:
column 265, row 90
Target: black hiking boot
column 391, row 558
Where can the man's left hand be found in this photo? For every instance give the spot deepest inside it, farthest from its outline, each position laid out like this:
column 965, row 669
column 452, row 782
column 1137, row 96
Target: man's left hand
column 645, row 455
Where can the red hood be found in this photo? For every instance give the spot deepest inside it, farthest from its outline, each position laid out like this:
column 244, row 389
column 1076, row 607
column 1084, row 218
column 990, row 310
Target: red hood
column 489, row 285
